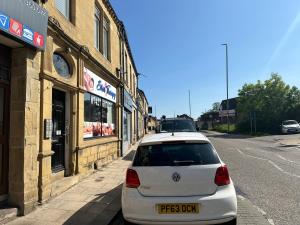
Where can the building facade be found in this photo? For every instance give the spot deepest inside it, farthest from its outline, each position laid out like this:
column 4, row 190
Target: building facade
column 142, row 113
column 61, row 96
column 129, row 78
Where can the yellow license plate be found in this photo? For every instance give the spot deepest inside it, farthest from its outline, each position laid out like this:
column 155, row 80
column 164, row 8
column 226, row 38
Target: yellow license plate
column 178, row 208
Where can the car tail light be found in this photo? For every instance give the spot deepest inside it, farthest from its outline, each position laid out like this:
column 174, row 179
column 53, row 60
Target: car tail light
column 132, row 179
column 222, row 176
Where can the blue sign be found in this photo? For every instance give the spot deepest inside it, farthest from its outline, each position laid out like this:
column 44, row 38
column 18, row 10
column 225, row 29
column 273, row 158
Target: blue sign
column 4, row 21
column 27, row 34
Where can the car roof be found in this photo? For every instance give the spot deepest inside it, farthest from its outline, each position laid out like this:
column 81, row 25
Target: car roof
column 289, row 121
column 159, row 138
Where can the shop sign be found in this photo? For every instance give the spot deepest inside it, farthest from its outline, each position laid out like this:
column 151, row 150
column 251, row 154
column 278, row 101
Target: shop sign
column 94, row 84
column 25, row 20
column 128, row 103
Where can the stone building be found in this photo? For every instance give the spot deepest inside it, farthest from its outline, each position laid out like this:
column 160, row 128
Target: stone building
column 128, row 75
column 142, row 113
column 61, row 95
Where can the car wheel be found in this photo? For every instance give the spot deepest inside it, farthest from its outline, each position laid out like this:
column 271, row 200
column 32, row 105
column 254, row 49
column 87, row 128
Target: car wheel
column 232, row 222
column 127, row 223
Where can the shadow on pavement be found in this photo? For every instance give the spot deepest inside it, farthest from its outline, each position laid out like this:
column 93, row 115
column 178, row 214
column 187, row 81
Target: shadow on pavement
column 100, row 210
column 129, row 156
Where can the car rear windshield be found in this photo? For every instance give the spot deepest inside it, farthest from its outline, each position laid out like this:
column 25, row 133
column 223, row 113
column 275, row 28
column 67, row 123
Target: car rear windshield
column 178, row 126
column 185, row 154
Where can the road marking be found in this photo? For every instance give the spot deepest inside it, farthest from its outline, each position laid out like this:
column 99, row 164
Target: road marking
column 269, row 161
column 260, row 210
column 291, row 161
column 271, row 222
column 241, row 197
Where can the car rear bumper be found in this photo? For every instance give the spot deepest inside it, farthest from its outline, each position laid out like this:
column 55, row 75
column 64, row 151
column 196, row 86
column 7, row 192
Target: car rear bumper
column 218, row 208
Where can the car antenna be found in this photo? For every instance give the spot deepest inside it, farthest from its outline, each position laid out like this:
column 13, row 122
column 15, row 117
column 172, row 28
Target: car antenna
column 173, row 125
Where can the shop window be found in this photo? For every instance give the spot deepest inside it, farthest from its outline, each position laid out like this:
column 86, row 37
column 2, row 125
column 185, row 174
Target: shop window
column 61, row 65
column 64, row 7
column 99, row 117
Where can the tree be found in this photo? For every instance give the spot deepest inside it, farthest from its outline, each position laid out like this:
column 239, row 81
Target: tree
column 271, row 101
column 215, row 106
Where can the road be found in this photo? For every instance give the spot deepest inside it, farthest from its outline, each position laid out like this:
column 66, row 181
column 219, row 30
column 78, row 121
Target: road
column 265, row 172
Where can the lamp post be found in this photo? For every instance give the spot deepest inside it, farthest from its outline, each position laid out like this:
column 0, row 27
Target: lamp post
column 226, row 48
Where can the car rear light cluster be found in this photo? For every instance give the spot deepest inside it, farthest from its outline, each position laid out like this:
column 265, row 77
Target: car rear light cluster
column 222, row 176
column 132, row 179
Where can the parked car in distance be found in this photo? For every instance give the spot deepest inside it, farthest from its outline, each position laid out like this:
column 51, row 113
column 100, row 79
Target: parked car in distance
column 176, row 125
column 290, row 126
column 178, row 179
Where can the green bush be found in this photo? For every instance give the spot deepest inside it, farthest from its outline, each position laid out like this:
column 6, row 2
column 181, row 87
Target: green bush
column 223, row 128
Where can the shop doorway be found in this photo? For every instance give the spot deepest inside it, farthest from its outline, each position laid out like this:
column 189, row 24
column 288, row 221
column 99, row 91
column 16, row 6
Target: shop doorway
column 126, row 131
column 59, row 131
column 5, row 64
column 4, row 129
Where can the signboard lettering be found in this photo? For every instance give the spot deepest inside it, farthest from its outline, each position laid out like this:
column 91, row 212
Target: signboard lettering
column 98, row 86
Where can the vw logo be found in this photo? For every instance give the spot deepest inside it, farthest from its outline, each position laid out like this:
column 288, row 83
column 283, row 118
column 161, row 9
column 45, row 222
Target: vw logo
column 176, row 177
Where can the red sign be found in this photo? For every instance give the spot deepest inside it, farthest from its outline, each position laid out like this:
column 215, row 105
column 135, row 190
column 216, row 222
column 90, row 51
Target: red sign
column 15, row 28
column 38, row 39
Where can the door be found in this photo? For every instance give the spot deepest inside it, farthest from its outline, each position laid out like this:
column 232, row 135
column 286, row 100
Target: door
column 58, row 132
column 126, row 131
column 4, row 131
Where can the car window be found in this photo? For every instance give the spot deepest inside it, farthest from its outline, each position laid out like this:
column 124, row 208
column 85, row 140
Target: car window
column 290, row 122
column 178, row 126
column 184, row 154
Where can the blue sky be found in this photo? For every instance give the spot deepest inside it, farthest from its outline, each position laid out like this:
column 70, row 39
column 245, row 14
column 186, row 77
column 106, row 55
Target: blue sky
column 177, row 45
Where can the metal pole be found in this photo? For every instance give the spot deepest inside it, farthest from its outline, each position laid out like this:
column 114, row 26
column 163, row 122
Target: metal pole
column 190, row 103
column 227, row 86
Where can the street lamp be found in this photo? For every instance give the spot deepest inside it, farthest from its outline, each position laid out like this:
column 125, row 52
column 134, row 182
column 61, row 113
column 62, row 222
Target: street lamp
column 227, row 86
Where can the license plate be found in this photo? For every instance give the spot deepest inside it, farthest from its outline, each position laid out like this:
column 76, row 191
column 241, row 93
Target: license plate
column 178, row 208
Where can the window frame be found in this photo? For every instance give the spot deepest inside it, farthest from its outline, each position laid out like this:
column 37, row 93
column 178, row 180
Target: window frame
column 100, row 32
column 100, row 119
column 68, row 15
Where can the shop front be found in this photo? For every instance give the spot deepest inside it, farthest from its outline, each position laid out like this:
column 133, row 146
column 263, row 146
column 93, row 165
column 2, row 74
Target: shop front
column 127, row 121
column 23, row 31
column 99, row 107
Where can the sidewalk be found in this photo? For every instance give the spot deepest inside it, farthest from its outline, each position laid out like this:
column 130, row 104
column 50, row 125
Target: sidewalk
column 95, row 200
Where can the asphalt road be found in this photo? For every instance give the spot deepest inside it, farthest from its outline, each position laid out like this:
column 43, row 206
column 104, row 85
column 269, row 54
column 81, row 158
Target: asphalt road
column 265, row 172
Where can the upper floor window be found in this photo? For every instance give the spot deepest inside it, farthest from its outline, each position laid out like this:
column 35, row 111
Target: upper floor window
column 102, row 33
column 97, row 28
column 64, row 7
column 105, row 38
column 126, row 68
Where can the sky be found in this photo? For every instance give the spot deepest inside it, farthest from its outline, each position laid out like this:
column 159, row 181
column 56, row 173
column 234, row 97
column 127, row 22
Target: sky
column 176, row 45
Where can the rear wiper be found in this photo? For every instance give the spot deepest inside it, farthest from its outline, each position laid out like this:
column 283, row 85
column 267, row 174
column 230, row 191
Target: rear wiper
column 184, row 161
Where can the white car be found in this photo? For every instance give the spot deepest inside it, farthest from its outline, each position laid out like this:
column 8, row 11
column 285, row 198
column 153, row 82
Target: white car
column 290, row 126
column 178, row 179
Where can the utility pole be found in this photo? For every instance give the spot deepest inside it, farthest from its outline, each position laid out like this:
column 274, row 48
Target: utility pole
column 190, row 103
column 226, row 47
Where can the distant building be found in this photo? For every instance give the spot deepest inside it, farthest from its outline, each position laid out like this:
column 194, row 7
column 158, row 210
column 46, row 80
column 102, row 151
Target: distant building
column 231, row 112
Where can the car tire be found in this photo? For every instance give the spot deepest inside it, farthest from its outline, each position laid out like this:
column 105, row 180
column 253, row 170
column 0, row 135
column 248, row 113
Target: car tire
column 232, row 222
column 127, row 223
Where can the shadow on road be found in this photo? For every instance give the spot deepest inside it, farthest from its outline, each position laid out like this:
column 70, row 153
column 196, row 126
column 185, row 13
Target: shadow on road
column 100, row 210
